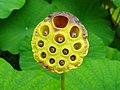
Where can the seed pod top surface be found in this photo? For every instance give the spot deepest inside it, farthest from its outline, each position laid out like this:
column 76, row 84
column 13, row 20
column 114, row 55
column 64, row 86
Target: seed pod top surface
column 59, row 42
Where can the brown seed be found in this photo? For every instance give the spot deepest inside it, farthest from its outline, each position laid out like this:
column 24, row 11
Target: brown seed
column 60, row 39
column 45, row 32
column 43, row 55
column 61, row 62
column 52, row 49
column 73, row 35
column 40, row 43
column 73, row 57
column 77, row 46
column 52, row 61
column 65, row 51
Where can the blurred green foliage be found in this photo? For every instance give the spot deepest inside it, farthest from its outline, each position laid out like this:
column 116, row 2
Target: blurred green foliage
column 7, row 6
column 101, row 67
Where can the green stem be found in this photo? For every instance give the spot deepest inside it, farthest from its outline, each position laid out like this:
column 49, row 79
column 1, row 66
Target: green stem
column 117, row 18
column 63, row 81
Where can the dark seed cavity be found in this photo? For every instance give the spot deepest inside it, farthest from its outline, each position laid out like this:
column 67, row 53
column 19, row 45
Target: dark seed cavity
column 60, row 21
column 52, row 49
column 74, row 32
column 43, row 55
column 45, row 30
column 61, row 62
column 40, row 43
column 73, row 57
column 65, row 51
column 77, row 46
column 52, row 61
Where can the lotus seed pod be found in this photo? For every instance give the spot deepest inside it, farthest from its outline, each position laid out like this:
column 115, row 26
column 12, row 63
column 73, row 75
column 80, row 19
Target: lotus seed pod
column 59, row 42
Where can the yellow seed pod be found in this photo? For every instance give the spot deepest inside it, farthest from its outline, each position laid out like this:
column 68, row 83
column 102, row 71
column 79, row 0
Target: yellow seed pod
column 59, row 42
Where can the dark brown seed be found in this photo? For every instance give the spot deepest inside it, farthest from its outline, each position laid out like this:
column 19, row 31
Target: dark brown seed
column 40, row 43
column 52, row 49
column 52, row 61
column 61, row 62
column 43, row 55
column 73, row 57
column 65, row 51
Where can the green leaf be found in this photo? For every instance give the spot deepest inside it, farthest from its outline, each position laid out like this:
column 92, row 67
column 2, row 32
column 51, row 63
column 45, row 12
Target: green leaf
column 49, row 1
column 108, row 3
column 27, row 61
column 27, row 80
column 116, row 42
column 112, row 54
column 117, row 2
column 22, row 22
column 7, row 6
column 94, row 75
column 96, row 48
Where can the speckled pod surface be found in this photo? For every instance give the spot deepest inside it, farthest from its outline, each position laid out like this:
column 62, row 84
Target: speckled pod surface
column 59, row 42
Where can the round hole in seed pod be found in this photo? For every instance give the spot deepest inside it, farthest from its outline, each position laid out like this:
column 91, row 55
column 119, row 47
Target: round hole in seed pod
column 65, row 51
column 52, row 61
column 45, row 30
column 43, row 55
column 60, row 21
column 61, row 62
column 52, row 49
column 73, row 57
column 59, row 38
column 40, row 43
column 77, row 46
column 74, row 32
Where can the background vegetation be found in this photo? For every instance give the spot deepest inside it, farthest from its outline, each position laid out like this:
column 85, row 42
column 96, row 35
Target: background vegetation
column 101, row 67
